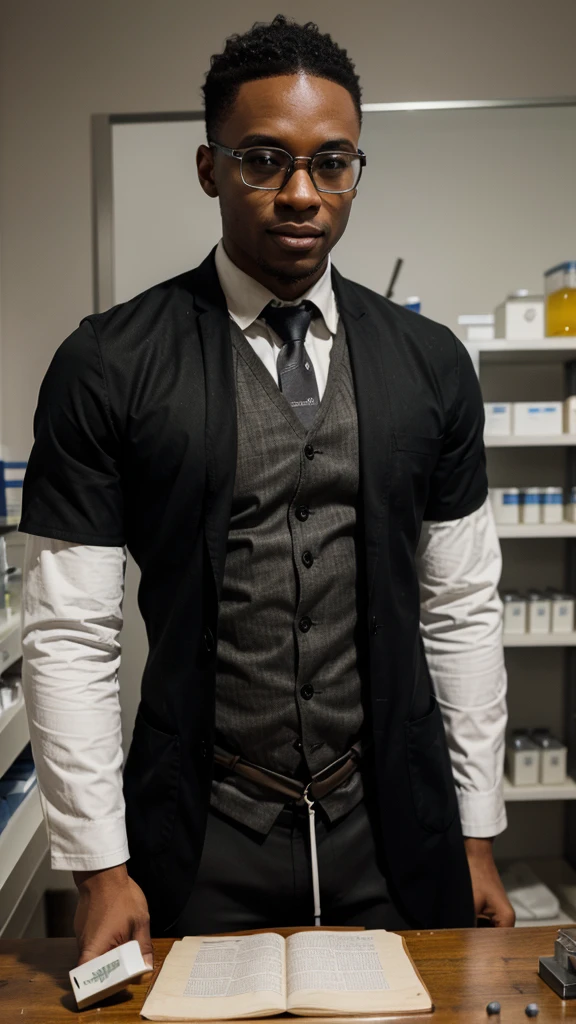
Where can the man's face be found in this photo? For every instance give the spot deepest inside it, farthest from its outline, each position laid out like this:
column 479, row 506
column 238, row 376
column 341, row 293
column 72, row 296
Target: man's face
column 301, row 114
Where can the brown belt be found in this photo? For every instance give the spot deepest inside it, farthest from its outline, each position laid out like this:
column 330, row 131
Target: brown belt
column 320, row 785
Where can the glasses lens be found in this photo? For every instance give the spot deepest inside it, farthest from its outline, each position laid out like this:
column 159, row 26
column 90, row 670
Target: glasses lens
column 336, row 172
column 265, row 168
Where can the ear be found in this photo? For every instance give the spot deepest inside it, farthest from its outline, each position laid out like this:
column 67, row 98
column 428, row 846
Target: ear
column 205, row 165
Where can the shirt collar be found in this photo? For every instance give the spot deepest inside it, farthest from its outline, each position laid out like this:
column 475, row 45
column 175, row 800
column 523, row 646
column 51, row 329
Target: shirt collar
column 246, row 297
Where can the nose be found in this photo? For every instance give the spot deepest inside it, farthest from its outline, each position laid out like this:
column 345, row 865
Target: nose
column 299, row 192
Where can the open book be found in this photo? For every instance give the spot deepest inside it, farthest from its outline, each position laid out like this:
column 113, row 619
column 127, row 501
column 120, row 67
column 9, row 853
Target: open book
column 312, row 973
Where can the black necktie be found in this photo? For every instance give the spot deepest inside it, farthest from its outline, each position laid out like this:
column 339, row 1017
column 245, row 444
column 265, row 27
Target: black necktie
column 296, row 375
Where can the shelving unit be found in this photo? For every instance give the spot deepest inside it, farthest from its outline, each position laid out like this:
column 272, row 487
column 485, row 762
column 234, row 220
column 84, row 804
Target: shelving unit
column 542, row 685
column 13, row 734
column 23, row 843
column 19, row 832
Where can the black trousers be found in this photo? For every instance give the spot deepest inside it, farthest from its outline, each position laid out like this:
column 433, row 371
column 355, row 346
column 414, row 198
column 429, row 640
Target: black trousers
column 250, row 880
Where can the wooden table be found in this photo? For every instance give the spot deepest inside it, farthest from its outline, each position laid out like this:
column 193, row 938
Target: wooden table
column 463, row 969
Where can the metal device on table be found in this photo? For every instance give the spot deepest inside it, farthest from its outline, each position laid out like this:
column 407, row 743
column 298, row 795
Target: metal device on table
column 559, row 971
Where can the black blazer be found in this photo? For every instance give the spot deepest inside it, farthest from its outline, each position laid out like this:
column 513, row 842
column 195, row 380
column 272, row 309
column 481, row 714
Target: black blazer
column 135, row 436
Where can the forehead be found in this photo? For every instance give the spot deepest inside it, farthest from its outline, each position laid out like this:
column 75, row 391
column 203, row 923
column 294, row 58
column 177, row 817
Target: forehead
column 294, row 109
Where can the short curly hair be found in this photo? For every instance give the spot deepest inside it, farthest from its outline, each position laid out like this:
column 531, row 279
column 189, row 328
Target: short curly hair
column 279, row 47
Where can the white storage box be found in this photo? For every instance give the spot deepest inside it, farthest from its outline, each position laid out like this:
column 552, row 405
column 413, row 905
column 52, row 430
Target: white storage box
column 552, row 505
column 514, row 613
column 505, row 504
column 539, row 612
column 553, row 755
column 479, row 326
column 562, row 613
column 522, row 761
column 529, row 418
column 531, row 505
column 520, row 317
column 570, row 415
column 498, row 419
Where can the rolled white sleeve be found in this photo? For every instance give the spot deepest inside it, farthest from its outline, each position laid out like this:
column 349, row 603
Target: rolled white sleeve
column 71, row 618
column 459, row 566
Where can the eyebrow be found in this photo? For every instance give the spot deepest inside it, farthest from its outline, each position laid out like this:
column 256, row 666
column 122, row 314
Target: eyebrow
column 270, row 140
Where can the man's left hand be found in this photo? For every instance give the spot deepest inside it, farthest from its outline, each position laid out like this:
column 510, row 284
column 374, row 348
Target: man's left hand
column 490, row 899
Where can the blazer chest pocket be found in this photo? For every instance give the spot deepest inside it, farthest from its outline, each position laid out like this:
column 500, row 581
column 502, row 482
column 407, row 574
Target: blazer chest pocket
column 430, row 771
column 418, row 444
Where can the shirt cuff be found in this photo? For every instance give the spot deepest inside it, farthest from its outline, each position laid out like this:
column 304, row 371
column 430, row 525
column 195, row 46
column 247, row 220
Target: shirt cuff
column 78, row 844
column 483, row 815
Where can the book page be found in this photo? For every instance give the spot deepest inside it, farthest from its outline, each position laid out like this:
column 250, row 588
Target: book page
column 351, row 973
column 208, row 978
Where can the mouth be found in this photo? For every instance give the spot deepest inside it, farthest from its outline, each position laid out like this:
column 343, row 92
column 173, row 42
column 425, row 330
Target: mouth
column 301, row 238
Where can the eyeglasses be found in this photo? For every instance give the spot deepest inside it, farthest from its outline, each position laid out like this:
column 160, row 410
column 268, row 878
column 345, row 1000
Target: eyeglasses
column 268, row 168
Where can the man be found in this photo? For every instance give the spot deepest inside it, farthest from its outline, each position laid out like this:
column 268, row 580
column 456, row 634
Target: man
column 295, row 463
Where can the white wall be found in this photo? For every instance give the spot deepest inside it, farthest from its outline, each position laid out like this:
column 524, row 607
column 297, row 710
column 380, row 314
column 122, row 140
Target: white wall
column 62, row 60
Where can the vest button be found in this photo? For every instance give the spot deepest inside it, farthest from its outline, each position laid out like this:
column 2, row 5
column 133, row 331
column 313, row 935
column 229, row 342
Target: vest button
column 302, row 513
column 208, row 640
column 307, row 691
column 307, row 558
column 309, row 451
column 304, row 624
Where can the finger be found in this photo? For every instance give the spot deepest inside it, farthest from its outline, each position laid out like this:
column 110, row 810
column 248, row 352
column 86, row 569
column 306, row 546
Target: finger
column 141, row 932
column 93, row 949
column 505, row 918
column 502, row 913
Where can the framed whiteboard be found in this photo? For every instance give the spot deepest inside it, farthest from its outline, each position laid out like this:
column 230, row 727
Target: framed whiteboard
column 476, row 198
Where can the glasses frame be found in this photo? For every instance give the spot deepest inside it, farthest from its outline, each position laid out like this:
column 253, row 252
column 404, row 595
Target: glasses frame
column 239, row 153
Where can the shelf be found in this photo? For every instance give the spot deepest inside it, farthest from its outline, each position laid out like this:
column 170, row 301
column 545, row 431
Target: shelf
column 539, row 530
column 19, row 833
column 529, row 441
column 14, row 734
column 545, row 350
column 539, row 639
column 513, row 794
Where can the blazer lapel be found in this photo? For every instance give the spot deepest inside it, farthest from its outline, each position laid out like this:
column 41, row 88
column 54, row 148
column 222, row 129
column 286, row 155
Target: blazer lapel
column 367, row 352
column 221, row 432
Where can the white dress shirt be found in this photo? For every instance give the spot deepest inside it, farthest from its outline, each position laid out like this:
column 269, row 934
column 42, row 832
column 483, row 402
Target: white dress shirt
column 72, row 616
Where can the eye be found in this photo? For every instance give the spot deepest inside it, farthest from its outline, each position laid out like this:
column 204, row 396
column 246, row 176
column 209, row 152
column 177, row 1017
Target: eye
column 263, row 158
column 333, row 162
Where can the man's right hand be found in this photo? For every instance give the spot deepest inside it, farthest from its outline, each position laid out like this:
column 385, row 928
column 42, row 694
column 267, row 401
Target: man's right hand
column 111, row 910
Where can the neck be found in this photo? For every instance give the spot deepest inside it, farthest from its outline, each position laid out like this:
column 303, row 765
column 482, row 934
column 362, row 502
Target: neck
column 283, row 286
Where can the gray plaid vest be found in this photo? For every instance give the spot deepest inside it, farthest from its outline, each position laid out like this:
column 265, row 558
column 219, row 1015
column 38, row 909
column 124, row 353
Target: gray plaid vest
column 288, row 688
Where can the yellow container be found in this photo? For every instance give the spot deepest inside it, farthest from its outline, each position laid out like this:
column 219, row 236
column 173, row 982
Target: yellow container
column 560, row 286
